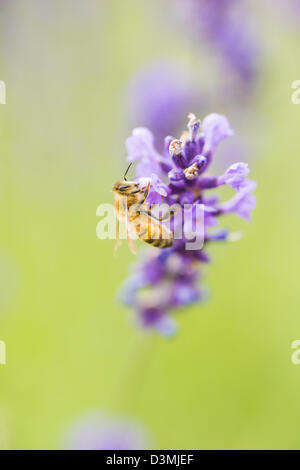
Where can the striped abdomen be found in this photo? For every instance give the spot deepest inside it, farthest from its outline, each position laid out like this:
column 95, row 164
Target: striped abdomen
column 153, row 232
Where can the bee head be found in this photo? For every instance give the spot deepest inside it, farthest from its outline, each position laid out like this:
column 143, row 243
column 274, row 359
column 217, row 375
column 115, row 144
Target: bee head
column 126, row 187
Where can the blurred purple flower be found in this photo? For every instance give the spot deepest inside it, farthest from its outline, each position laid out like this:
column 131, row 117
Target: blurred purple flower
column 225, row 25
column 158, row 96
column 99, row 432
column 164, row 280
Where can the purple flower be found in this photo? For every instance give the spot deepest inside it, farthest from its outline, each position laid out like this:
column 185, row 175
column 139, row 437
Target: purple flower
column 168, row 279
column 95, row 431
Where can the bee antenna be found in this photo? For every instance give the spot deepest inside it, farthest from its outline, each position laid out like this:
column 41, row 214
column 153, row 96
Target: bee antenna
column 127, row 171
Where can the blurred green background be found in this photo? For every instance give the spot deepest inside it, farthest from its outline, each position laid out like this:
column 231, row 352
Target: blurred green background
column 226, row 380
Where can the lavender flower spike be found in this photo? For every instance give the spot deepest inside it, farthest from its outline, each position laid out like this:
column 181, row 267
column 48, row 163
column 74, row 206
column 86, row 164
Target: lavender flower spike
column 166, row 280
column 225, row 25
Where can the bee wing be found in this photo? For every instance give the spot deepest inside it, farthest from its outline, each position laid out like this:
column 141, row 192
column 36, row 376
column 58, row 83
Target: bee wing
column 118, row 242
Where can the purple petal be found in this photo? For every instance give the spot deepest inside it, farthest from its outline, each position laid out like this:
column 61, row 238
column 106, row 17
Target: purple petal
column 160, row 187
column 242, row 203
column 150, row 316
column 193, row 126
column 140, row 144
column 187, row 198
column 215, row 128
column 176, row 174
column 210, row 220
column 235, row 176
column 140, row 148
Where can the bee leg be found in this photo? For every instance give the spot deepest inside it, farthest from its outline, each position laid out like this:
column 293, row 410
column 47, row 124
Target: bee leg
column 145, row 195
column 147, row 191
column 166, row 216
column 118, row 241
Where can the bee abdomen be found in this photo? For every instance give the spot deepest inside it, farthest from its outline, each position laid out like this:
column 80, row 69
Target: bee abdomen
column 154, row 234
column 160, row 242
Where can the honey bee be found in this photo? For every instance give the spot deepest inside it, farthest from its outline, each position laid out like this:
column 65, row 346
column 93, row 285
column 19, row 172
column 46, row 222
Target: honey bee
column 132, row 209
